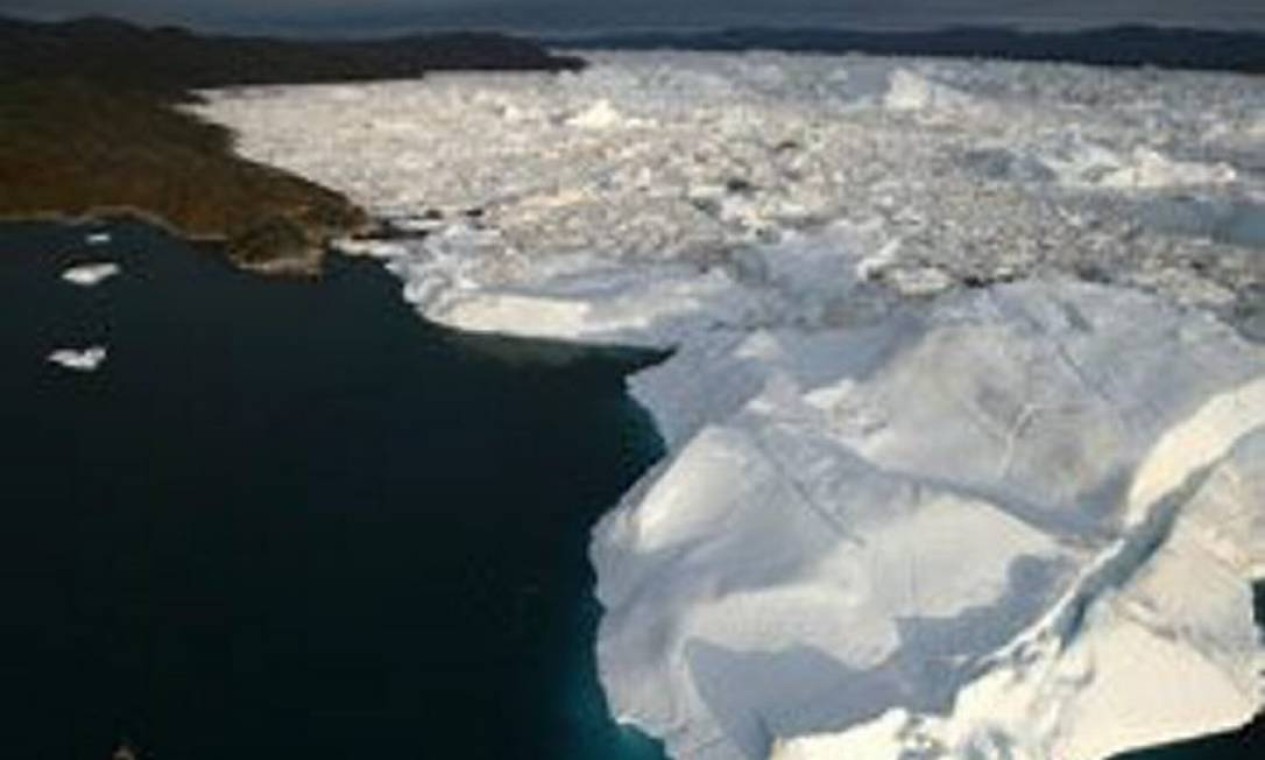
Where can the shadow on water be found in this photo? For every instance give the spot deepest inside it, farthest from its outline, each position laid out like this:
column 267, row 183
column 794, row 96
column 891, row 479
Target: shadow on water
column 291, row 519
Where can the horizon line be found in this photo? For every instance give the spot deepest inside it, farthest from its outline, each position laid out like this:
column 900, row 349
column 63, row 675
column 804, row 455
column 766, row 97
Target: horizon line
column 596, row 31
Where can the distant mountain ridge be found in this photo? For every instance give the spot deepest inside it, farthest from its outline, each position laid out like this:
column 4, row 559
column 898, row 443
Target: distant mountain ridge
column 174, row 59
column 1161, row 47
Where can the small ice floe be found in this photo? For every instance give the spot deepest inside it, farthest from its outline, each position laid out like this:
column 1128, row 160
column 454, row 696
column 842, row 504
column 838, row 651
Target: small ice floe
column 98, row 238
column 91, row 275
column 599, row 116
column 79, row 360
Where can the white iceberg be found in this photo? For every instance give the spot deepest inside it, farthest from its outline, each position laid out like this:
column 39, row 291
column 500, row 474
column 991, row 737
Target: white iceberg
column 1154, row 656
column 1080, row 163
column 904, row 508
column 601, row 115
column 890, row 534
column 909, row 91
column 91, row 275
column 79, row 359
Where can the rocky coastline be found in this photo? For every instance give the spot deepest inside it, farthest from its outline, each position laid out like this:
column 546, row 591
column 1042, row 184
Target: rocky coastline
column 94, row 124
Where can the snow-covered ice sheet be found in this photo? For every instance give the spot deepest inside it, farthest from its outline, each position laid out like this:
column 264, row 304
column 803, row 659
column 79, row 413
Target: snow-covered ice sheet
column 79, row 359
column 91, row 275
column 878, row 536
column 1153, row 655
column 971, row 171
column 965, row 450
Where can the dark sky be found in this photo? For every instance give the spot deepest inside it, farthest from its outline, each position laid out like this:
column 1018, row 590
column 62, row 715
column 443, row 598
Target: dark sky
column 368, row 16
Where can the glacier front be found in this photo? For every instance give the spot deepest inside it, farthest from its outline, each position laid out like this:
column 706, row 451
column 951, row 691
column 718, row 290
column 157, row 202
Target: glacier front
column 965, row 409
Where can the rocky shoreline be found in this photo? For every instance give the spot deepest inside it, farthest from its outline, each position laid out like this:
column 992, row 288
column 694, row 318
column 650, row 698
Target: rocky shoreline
column 88, row 131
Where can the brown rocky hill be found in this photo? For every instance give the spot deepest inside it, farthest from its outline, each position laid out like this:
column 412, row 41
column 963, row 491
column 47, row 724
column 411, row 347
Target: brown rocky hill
column 89, row 125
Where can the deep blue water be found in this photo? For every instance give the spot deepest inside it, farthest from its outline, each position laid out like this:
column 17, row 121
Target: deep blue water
column 292, row 520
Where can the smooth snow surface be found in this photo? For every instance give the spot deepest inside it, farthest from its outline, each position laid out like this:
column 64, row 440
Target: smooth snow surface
column 91, row 275
column 966, row 454
column 79, row 360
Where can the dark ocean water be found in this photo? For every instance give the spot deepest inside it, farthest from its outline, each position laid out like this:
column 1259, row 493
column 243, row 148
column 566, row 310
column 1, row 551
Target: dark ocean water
column 292, row 520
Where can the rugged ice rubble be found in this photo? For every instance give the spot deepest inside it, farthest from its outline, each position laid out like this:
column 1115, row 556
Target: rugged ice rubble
column 966, row 452
column 79, row 360
column 973, row 172
column 91, row 275
column 1162, row 647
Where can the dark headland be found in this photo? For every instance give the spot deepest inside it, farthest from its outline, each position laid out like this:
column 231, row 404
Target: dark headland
column 90, row 126
column 1156, row 47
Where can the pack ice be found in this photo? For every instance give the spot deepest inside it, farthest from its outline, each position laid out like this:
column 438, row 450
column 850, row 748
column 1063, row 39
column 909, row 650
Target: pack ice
column 966, row 452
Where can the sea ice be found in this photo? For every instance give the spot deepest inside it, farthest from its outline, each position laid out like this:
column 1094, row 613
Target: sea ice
column 1170, row 647
column 874, row 537
column 79, row 360
column 964, row 455
column 91, row 275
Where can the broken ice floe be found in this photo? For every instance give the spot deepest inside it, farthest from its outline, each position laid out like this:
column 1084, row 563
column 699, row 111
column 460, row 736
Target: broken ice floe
column 644, row 146
column 79, row 360
column 91, row 275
